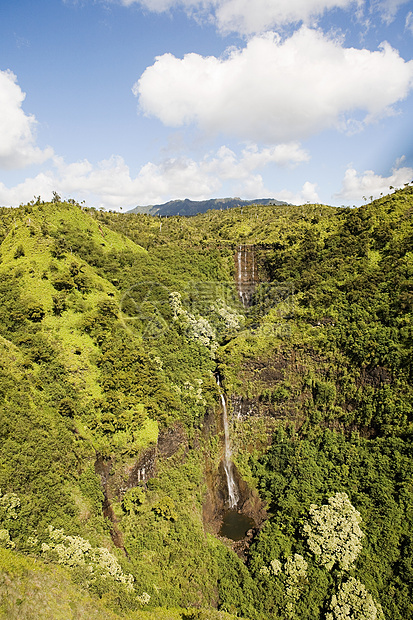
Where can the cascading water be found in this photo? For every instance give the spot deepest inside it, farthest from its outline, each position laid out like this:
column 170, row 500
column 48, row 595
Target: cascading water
column 233, row 496
column 235, row 523
column 246, row 273
column 240, row 275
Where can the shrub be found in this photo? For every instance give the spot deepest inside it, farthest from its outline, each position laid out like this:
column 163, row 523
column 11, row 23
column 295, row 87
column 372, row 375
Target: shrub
column 353, row 602
column 333, row 532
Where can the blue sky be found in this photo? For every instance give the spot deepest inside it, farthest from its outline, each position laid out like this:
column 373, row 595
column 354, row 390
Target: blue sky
column 133, row 102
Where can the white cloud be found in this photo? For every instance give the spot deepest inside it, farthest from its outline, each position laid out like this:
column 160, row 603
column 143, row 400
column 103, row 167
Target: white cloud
column 388, row 8
column 227, row 165
column 288, row 154
column 409, row 21
column 17, row 129
column 249, row 17
column 41, row 185
column 359, row 186
column 274, row 90
column 111, row 185
column 245, row 16
column 308, row 193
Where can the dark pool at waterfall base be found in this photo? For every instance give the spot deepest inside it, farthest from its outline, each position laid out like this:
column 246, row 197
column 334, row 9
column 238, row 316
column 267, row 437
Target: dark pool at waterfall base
column 235, row 525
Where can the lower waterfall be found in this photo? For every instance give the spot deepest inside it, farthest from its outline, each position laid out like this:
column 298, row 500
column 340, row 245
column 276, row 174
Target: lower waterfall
column 233, row 495
column 231, row 508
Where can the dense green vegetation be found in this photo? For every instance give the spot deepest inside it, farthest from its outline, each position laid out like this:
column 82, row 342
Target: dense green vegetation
column 111, row 329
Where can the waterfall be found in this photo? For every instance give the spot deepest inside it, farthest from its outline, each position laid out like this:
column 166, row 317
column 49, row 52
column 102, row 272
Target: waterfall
column 240, row 265
column 233, row 496
column 240, row 291
column 241, row 274
column 246, row 273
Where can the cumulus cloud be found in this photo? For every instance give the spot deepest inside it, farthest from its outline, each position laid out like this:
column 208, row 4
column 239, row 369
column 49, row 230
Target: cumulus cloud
column 246, row 17
column 17, row 129
column 359, row 186
column 41, row 185
column 308, row 193
column 110, row 184
column 227, row 165
column 275, row 90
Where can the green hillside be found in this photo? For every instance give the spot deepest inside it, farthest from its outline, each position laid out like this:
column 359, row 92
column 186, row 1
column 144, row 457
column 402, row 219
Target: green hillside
column 113, row 330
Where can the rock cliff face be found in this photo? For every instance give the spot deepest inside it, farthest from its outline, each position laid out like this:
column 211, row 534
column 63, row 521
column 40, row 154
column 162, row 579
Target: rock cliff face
column 215, row 504
column 244, row 407
column 118, row 477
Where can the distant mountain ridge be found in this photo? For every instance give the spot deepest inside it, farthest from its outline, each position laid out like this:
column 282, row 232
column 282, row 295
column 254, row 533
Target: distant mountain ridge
column 193, row 207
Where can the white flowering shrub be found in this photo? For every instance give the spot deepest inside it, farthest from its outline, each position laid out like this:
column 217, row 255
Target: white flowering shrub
column 294, row 574
column 5, row 540
column 295, row 569
column 9, row 505
column 202, row 331
column 276, row 567
column 198, row 329
column 221, row 317
column 74, row 552
column 144, row 598
column 193, row 392
column 333, row 532
column 68, row 550
column 32, row 541
column 106, row 563
column 176, row 304
column 353, row 602
column 231, row 319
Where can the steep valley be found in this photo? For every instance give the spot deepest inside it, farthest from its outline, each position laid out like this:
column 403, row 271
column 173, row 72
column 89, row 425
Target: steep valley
column 208, row 417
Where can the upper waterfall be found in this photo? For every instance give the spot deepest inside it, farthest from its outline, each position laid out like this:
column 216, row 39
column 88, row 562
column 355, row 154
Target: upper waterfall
column 246, row 273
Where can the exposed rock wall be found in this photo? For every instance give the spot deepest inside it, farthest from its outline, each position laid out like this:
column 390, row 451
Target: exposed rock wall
column 117, row 478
